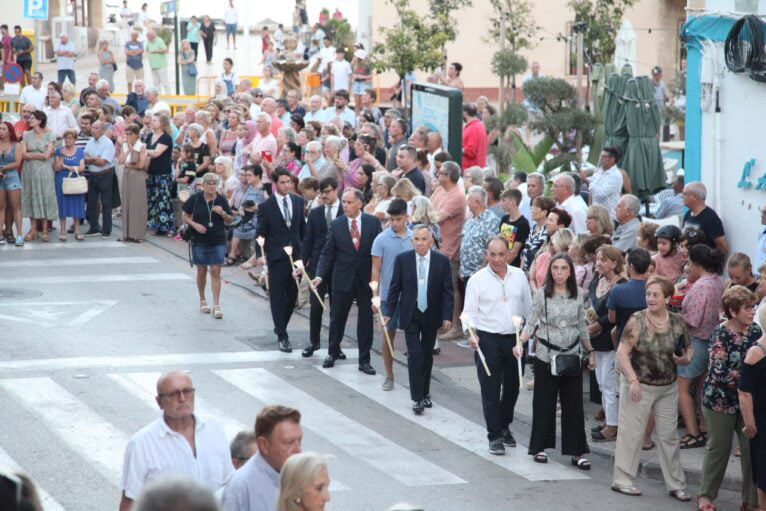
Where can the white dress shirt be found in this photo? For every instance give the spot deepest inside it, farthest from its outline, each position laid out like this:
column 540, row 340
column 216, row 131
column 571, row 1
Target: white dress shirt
column 578, row 210
column 60, row 119
column 280, row 203
column 157, row 451
column 334, row 211
column 358, row 225
column 605, row 188
column 490, row 301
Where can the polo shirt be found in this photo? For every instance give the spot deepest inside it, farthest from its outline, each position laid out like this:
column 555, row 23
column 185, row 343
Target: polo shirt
column 157, row 60
column 32, row 96
column 134, row 61
column 625, row 236
column 387, row 246
column 157, row 451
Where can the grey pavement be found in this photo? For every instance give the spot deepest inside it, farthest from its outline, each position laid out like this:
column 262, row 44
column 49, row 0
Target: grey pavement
column 88, row 326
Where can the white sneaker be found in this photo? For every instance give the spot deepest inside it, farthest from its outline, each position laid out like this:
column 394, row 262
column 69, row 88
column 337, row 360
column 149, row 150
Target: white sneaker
column 388, row 384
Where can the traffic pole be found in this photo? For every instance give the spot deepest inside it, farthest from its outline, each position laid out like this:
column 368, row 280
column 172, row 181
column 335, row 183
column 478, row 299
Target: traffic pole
column 175, row 45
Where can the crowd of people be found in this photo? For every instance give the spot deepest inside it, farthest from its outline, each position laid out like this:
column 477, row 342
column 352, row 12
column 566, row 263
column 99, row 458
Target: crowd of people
column 441, row 247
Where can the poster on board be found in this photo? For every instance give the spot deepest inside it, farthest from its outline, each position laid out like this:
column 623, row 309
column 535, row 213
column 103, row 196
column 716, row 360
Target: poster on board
column 440, row 109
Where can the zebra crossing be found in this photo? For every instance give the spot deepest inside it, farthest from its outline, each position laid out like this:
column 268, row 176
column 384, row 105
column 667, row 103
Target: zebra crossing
column 86, row 413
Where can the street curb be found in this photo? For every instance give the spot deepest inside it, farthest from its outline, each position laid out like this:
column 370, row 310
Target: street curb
column 646, row 469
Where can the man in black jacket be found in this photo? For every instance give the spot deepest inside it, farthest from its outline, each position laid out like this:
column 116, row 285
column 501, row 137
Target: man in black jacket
column 281, row 223
column 317, row 225
column 347, row 254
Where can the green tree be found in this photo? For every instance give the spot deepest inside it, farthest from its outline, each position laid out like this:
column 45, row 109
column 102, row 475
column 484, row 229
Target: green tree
column 568, row 127
column 520, row 27
column 412, row 44
column 602, row 19
column 505, row 124
column 441, row 13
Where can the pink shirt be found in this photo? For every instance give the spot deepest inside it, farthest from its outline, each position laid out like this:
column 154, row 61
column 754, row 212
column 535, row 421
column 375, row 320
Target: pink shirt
column 453, row 204
column 670, row 267
column 261, row 144
column 701, row 307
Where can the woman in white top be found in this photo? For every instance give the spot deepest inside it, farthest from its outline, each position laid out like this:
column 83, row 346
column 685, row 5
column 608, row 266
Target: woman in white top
column 227, row 180
column 268, row 84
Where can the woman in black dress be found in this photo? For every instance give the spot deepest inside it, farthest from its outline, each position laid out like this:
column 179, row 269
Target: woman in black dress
column 752, row 404
column 207, row 32
column 159, row 146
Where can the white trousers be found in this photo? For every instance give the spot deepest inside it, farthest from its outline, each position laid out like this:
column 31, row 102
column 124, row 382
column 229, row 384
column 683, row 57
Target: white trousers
column 160, row 80
column 606, row 375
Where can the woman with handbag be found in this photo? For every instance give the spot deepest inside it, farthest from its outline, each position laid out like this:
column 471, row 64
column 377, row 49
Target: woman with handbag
column 135, row 210
column 206, row 212
column 38, row 191
column 558, row 314
column 653, row 343
column 106, row 63
column 188, row 61
column 69, row 162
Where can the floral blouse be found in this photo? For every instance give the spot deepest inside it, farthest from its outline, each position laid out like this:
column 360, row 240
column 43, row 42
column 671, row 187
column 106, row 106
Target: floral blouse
column 476, row 233
column 535, row 240
column 727, row 353
column 702, row 305
column 563, row 325
column 652, row 355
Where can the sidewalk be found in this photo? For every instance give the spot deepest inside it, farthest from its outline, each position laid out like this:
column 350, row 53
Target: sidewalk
column 456, row 363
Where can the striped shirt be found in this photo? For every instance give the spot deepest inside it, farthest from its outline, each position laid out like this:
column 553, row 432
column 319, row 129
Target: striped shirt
column 157, row 451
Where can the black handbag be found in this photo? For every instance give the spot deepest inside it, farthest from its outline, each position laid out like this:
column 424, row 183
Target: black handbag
column 186, row 231
column 562, row 363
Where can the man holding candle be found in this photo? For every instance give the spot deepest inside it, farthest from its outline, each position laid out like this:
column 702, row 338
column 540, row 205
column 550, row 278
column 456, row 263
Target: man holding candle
column 494, row 295
column 347, row 255
column 421, row 291
column 281, row 224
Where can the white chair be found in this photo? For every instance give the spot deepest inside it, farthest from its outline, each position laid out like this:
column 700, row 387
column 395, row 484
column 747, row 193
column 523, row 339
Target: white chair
column 671, row 220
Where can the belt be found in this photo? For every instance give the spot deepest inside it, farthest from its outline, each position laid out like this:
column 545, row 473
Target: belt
column 495, row 333
column 102, row 172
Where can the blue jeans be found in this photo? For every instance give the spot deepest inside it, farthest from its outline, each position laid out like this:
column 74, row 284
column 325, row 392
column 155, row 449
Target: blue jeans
column 67, row 73
column 100, row 187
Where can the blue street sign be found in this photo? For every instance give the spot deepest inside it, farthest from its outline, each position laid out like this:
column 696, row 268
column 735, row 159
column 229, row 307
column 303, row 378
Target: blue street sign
column 36, row 9
column 12, row 73
column 168, row 7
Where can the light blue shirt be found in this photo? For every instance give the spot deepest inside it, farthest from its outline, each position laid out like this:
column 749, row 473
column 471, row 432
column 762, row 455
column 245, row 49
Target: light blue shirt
column 314, row 116
column 102, row 148
column 254, row 487
column 347, row 115
column 64, row 63
column 387, row 246
column 306, row 172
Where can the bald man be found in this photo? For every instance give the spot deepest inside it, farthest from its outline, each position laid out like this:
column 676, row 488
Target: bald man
column 178, row 443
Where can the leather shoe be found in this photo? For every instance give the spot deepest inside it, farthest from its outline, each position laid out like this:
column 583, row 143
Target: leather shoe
column 341, row 356
column 284, row 346
column 427, row 402
column 681, row 495
column 309, row 350
column 417, row 407
column 367, row 369
column 329, row 361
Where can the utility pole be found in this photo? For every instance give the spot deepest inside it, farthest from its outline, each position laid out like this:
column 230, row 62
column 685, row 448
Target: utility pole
column 175, row 47
column 579, row 29
column 501, row 92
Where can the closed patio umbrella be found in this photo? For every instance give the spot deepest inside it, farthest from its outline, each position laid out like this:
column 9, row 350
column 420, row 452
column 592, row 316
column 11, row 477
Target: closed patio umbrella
column 614, row 112
column 643, row 159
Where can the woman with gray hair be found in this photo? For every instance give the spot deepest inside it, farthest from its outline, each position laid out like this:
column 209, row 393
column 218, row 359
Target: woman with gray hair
column 187, row 59
column 303, row 483
column 107, row 65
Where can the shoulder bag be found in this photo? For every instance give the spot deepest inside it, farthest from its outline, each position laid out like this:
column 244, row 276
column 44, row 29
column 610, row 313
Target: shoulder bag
column 77, row 185
column 186, row 231
column 562, row 363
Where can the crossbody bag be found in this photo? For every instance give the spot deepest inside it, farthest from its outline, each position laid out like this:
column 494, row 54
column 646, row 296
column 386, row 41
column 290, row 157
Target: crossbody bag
column 562, row 363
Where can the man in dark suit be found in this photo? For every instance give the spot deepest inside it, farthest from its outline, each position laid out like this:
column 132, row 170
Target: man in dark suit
column 317, row 225
column 421, row 288
column 347, row 254
column 281, row 223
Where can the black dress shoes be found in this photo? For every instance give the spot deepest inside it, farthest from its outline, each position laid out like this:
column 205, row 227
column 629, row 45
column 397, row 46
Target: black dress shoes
column 309, row 350
column 427, row 402
column 284, row 346
column 329, row 361
column 417, row 407
column 341, row 356
column 367, row 369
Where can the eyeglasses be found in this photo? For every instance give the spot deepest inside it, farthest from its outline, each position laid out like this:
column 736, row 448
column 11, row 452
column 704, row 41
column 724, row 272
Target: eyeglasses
column 444, row 173
column 186, row 393
column 328, row 191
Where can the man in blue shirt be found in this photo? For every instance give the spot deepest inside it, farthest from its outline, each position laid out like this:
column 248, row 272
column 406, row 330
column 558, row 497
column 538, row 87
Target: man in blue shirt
column 99, row 161
column 630, row 296
column 397, row 238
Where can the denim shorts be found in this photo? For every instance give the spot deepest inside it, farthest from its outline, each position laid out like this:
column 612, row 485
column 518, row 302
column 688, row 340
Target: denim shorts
column 231, row 29
column 204, row 254
column 360, row 87
column 699, row 361
column 11, row 181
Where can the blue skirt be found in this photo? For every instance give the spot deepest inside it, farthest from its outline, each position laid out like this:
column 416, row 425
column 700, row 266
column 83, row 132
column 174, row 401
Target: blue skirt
column 70, row 206
column 204, row 254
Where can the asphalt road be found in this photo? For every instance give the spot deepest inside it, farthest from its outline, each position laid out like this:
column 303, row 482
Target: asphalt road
column 88, row 326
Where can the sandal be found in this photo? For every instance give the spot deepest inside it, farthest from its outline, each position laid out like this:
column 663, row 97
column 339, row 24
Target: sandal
column 79, row 237
column 246, row 265
column 204, row 308
column 647, row 447
column 217, row 314
column 599, row 436
column 581, row 462
column 692, row 442
column 10, row 238
column 229, row 261
column 45, row 237
column 540, row 457
column 62, row 237
column 707, row 506
column 30, row 236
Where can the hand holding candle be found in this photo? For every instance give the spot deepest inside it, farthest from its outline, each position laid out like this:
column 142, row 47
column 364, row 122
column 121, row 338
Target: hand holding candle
column 261, row 241
column 289, row 251
column 376, row 302
column 467, row 322
column 517, row 323
column 299, row 264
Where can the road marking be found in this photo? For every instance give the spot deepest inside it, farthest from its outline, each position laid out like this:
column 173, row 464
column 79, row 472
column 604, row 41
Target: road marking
column 93, row 279
column 74, row 422
column 54, row 313
column 8, row 464
column 144, row 387
column 64, row 246
column 450, row 426
column 348, row 435
column 169, row 359
column 84, row 262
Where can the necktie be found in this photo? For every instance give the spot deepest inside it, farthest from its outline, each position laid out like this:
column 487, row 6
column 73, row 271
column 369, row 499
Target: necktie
column 328, row 216
column 422, row 295
column 286, row 212
column 355, row 234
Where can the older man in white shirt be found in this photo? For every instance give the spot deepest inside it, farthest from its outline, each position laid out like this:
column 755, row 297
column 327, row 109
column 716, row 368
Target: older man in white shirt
column 535, row 188
column 60, row 118
column 179, row 443
column 255, row 486
column 34, row 93
column 605, row 185
column 564, row 193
